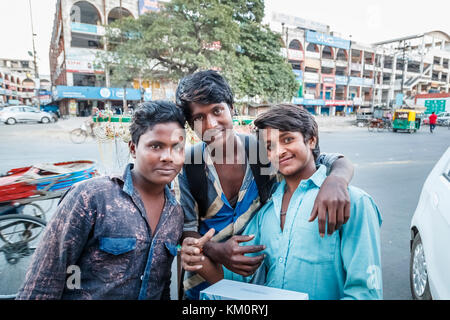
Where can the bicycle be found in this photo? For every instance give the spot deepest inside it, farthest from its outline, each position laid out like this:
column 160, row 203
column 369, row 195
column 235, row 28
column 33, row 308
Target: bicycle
column 79, row 135
column 20, row 235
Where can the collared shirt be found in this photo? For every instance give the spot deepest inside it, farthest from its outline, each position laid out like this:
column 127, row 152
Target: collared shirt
column 345, row 265
column 100, row 229
column 221, row 215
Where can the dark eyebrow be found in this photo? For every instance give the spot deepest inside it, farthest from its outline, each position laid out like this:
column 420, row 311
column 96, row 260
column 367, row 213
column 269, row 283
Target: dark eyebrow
column 284, row 133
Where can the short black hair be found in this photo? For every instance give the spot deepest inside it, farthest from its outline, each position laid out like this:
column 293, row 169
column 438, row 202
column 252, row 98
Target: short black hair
column 204, row 87
column 289, row 117
column 149, row 114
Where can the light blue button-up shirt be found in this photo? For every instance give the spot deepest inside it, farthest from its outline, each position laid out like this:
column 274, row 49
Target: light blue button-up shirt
column 345, row 265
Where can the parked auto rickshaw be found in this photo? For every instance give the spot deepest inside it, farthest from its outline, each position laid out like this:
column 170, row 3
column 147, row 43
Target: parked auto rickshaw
column 407, row 120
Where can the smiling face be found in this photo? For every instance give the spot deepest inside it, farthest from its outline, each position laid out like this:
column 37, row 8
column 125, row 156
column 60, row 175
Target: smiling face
column 159, row 154
column 211, row 122
column 288, row 152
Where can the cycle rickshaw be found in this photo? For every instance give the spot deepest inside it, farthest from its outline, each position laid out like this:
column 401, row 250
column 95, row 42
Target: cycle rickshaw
column 22, row 220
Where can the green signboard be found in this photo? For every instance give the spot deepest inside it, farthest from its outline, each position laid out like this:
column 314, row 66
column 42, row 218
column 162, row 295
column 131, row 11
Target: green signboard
column 435, row 106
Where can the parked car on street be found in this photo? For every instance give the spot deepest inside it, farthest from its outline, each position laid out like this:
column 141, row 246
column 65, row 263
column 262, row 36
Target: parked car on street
column 443, row 118
column 20, row 113
column 430, row 236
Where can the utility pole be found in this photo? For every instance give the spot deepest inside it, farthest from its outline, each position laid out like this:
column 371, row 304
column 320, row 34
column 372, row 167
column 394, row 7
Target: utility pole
column 403, row 48
column 36, row 72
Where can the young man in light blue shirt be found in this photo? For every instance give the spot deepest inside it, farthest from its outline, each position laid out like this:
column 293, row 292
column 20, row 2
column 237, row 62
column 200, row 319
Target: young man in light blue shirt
column 344, row 265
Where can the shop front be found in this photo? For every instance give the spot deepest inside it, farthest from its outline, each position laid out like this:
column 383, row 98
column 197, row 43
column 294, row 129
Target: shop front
column 81, row 101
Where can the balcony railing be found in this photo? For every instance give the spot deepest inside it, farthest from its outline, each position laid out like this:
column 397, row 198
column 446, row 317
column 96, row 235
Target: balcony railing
column 315, row 55
column 295, row 54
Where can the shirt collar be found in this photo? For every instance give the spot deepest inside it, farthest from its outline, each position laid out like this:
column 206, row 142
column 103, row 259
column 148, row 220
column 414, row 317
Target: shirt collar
column 128, row 186
column 316, row 179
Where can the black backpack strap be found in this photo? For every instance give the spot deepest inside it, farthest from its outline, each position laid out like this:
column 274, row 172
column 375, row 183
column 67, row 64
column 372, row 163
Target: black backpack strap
column 259, row 164
column 195, row 171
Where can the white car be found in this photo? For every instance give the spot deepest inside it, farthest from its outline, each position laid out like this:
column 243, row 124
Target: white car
column 430, row 236
column 443, row 119
column 12, row 115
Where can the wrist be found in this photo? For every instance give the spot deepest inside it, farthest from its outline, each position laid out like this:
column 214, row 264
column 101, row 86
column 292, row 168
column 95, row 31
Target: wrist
column 210, row 250
column 339, row 179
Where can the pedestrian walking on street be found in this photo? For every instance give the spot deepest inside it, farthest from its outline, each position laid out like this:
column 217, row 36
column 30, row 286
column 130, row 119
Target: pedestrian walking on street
column 433, row 119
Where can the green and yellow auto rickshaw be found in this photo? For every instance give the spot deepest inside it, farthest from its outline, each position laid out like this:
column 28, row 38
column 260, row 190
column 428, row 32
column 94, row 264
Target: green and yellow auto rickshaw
column 406, row 120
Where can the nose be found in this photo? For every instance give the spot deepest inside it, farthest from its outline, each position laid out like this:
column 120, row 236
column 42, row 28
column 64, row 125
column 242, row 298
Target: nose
column 280, row 151
column 166, row 155
column 211, row 122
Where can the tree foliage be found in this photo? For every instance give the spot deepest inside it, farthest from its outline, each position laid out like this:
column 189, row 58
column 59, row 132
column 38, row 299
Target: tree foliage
column 191, row 35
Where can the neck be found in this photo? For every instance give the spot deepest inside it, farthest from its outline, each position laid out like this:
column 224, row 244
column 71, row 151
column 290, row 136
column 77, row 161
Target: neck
column 292, row 181
column 145, row 186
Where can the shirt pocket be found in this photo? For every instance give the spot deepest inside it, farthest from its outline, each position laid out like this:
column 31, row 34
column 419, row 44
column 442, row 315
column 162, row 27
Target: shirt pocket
column 114, row 259
column 309, row 247
column 171, row 248
column 117, row 246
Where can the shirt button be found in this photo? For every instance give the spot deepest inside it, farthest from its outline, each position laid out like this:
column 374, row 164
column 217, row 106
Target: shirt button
column 142, row 277
column 280, row 260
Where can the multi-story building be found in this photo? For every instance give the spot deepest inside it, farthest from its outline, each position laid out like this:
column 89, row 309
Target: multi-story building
column 338, row 75
column 78, row 34
column 18, row 84
column 413, row 65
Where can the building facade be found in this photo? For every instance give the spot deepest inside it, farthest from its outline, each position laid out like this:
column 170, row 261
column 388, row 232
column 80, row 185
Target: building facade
column 78, row 36
column 18, row 84
column 338, row 75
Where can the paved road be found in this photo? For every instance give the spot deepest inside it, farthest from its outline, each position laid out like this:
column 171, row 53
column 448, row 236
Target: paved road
column 391, row 167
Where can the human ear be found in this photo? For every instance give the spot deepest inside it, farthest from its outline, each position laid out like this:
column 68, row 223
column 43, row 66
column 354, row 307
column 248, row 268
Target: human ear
column 312, row 143
column 132, row 148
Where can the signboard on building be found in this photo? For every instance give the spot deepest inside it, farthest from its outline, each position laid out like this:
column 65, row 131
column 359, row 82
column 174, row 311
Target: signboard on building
column 96, row 93
column 87, row 28
column 308, row 102
column 434, row 102
column 338, row 102
column 328, row 78
column 148, row 6
column 80, row 60
column 299, row 22
column 342, row 80
column 327, row 40
column 435, row 106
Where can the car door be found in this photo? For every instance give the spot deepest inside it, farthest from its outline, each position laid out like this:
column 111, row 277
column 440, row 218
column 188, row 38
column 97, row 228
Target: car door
column 32, row 114
column 20, row 114
column 440, row 214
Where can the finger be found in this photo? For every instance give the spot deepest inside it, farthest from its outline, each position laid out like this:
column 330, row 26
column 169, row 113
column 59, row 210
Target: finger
column 322, row 219
column 190, row 242
column 208, row 236
column 192, row 260
column 347, row 212
column 314, row 212
column 240, row 239
column 246, row 269
column 191, row 268
column 248, row 261
column 190, row 250
column 332, row 216
column 250, row 249
column 340, row 216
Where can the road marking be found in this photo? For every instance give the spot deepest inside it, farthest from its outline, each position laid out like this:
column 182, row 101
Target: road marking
column 384, row 163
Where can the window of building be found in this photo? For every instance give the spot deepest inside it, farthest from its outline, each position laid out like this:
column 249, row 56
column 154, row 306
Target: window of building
column 84, row 12
column 118, row 13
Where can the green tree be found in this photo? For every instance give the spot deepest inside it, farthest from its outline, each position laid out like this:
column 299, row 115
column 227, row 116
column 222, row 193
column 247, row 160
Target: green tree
column 191, row 35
